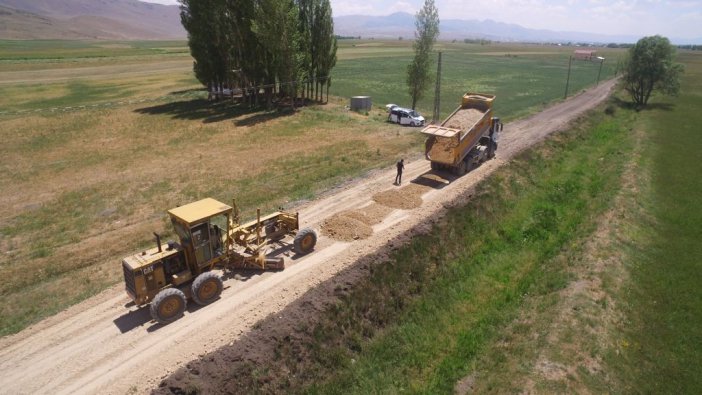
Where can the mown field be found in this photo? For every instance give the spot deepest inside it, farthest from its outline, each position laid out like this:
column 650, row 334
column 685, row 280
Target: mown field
column 100, row 138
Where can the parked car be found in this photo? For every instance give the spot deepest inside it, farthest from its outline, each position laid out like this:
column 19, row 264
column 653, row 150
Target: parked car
column 404, row 116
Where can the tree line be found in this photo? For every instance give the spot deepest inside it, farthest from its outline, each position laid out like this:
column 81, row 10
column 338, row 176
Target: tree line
column 285, row 47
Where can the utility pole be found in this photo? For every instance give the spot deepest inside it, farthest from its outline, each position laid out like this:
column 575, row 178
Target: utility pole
column 600, row 71
column 437, row 93
column 570, row 60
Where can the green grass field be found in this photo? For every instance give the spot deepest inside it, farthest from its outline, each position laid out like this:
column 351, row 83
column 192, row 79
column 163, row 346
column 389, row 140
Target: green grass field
column 23, row 51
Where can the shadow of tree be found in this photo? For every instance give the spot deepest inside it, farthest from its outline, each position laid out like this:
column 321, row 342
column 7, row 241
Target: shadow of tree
column 212, row 112
column 630, row 105
column 191, row 90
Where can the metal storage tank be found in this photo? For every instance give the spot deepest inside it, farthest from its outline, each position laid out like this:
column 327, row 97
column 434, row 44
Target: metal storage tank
column 361, row 103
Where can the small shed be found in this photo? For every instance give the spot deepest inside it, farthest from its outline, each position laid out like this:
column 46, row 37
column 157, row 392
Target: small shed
column 361, row 103
column 585, row 54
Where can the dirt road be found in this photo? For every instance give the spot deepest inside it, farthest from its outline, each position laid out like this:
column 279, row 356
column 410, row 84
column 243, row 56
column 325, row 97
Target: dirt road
column 104, row 346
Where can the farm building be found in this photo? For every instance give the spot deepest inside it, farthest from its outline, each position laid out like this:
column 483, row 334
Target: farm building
column 585, row 54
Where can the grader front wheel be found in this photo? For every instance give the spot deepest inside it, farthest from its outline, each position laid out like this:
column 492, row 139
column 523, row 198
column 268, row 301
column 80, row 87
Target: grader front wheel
column 305, row 241
column 206, row 288
column 168, row 305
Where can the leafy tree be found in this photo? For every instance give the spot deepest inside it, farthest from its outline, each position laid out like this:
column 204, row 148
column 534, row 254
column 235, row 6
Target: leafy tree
column 326, row 46
column 418, row 75
column 650, row 66
column 208, row 44
column 260, row 43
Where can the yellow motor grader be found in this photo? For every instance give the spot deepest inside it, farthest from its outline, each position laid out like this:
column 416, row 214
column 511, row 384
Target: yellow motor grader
column 210, row 236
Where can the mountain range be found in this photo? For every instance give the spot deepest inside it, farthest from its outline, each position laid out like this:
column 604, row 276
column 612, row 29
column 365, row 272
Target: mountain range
column 401, row 24
column 134, row 19
column 89, row 19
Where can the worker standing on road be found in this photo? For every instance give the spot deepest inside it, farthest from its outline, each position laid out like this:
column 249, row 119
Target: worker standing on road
column 400, row 167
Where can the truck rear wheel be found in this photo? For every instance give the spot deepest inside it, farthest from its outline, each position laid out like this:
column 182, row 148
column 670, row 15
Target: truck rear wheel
column 168, row 305
column 461, row 169
column 305, row 241
column 206, row 288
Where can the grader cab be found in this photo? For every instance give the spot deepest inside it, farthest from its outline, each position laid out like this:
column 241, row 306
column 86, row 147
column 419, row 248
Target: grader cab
column 209, row 236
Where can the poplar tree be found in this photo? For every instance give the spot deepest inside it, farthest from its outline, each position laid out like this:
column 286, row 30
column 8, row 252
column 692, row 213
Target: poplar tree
column 326, row 45
column 418, row 74
column 254, row 43
column 208, row 45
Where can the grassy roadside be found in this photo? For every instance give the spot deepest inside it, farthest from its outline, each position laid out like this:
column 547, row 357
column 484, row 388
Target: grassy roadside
column 420, row 320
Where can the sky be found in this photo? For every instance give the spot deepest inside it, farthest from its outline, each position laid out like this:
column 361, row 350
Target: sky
column 670, row 18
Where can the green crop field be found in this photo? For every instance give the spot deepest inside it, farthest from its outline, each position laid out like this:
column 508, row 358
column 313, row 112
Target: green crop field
column 524, row 78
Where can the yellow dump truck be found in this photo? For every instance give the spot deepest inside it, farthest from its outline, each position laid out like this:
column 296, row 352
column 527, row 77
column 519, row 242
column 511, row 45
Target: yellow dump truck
column 210, row 236
column 466, row 138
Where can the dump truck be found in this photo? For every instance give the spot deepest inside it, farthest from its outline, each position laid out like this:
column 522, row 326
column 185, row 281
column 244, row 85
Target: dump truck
column 210, row 236
column 466, row 138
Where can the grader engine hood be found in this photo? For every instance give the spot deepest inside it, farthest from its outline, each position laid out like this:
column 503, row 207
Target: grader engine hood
column 143, row 272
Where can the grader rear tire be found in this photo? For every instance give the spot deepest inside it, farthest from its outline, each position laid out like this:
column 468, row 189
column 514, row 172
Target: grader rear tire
column 305, row 241
column 206, row 288
column 168, row 305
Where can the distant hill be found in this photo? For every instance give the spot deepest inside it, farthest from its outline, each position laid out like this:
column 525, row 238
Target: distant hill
column 89, row 19
column 401, row 24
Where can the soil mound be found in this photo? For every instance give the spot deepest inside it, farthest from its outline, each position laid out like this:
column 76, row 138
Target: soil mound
column 343, row 227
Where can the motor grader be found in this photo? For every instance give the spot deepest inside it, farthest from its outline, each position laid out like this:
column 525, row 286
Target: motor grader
column 210, row 236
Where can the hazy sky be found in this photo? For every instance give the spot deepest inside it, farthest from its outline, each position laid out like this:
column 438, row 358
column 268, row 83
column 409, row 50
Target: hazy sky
column 671, row 18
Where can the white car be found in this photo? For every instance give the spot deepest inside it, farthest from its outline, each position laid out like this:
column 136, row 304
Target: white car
column 404, row 116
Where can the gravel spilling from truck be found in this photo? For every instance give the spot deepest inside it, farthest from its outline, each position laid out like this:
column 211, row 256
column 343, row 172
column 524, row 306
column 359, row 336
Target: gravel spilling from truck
column 465, row 119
